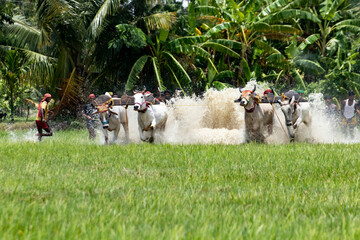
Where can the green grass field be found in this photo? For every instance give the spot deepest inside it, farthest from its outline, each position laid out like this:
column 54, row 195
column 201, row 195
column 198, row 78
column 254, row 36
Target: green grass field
column 67, row 188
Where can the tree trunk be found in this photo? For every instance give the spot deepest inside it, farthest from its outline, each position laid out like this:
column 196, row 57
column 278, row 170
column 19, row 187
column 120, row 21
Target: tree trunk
column 12, row 103
column 28, row 112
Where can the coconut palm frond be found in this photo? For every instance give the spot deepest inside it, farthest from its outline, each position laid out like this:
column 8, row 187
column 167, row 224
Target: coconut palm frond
column 41, row 67
column 164, row 20
column 4, row 49
column 152, row 2
column 38, row 57
column 107, row 8
column 51, row 13
column 21, row 34
column 70, row 93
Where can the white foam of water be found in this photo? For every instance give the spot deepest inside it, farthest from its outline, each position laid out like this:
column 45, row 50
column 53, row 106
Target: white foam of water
column 216, row 119
column 28, row 136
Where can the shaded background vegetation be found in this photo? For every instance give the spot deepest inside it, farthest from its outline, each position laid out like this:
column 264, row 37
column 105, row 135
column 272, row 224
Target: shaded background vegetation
column 72, row 48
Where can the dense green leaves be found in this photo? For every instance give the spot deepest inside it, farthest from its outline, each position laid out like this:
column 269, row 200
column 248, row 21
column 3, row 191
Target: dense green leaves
column 177, row 68
column 135, row 71
column 288, row 14
column 102, row 44
column 221, row 48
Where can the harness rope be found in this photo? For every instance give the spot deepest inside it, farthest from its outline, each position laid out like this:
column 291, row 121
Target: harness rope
column 277, row 117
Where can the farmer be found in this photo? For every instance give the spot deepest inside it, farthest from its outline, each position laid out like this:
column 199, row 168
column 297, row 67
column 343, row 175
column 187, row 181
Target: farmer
column 348, row 109
column 41, row 119
column 301, row 95
column 300, row 92
column 268, row 96
column 166, row 97
column 91, row 120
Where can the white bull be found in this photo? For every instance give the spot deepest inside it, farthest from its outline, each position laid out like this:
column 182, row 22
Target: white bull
column 295, row 114
column 111, row 118
column 150, row 117
column 257, row 117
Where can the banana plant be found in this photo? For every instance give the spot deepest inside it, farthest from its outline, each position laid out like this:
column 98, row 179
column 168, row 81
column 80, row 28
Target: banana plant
column 242, row 22
column 161, row 60
column 336, row 17
column 292, row 64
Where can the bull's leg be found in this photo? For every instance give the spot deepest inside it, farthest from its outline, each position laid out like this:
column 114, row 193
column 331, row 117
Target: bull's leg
column 270, row 126
column 248, row 133
column 151, row 139
column 258, row 136
column 116, row 134
column 142, row 138
column 291, row 134
column 162, row 131
column 106, row 136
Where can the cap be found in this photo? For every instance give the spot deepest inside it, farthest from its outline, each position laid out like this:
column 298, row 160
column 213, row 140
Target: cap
column 267, row 91
column 300, row 91
column 92, row 96
column 47, row 95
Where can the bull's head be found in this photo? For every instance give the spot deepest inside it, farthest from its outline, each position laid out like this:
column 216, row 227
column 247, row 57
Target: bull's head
column 246, row 98
column 288, row 108
column 105, row 113
column 139, row 101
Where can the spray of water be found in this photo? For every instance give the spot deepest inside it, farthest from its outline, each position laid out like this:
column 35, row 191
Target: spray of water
column 216, row 119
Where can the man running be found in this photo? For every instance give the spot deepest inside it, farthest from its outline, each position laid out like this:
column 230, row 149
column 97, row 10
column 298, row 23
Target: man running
column 41, row 119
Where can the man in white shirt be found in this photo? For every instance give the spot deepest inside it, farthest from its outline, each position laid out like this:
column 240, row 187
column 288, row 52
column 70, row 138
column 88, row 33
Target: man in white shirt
column 348, row 109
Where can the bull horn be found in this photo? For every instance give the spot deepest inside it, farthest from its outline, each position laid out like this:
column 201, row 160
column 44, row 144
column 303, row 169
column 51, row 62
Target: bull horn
column 292, row 99
column 272, row 90
column 240, row 89
column 279, row 102
column 95, row 112
column 254, row 89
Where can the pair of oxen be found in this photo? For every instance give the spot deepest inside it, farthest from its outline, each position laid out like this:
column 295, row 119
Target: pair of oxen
column 260, row 116
column 151, row 118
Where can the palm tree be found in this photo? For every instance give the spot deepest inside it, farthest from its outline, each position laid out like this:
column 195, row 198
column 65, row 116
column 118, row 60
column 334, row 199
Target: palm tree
column 68, row 35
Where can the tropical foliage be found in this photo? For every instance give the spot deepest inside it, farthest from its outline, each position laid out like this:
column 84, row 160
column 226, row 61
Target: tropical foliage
column 72, row 48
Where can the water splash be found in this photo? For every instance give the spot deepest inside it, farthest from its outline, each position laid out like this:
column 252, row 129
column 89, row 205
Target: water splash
column 216, row 119
column 28, row 136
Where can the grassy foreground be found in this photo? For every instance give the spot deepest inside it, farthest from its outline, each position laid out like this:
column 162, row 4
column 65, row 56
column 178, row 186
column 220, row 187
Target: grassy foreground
column 66, row 188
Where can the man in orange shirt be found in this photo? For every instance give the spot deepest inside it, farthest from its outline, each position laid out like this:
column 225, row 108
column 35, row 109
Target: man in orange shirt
column 41, row 119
